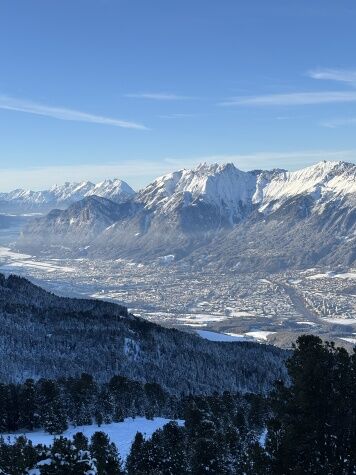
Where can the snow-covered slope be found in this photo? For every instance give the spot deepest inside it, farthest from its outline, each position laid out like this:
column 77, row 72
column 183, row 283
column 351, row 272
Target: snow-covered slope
column 322, row 180
column 60, row 196
column 232, row 211
column 224, row 187
column 230, row 190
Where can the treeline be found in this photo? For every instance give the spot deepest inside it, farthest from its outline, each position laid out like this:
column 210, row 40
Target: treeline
column 54, row 404
column 217, row 428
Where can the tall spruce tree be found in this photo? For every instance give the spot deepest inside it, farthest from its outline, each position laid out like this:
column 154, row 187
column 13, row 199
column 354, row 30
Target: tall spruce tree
column 313, row 428
column 105, row 453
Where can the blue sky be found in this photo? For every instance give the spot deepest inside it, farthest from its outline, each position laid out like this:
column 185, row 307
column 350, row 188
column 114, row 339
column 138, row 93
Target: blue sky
column 91, row 89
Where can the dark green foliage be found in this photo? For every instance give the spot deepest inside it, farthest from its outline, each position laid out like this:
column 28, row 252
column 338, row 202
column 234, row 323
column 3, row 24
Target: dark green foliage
column 210, row 443
column 28, row 410
column 105, row 453
column 314, row 425
column 53, row 416
column 80, row 441
column 16, row 458
column 52, row 404
column 134, row 463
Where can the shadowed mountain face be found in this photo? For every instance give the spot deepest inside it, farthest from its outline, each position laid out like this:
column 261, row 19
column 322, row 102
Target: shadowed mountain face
column 216, row 215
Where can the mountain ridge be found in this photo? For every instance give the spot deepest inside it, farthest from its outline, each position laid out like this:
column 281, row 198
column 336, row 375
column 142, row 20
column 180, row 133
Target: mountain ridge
column 61, row 196
column 216, row 207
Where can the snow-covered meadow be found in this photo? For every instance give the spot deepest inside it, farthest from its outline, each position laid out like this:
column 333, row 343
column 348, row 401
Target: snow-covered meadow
column 121, row 433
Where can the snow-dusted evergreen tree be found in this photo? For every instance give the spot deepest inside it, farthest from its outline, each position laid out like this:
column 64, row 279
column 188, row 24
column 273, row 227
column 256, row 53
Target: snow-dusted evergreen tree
column 314, row 424
column 54, row 418
column 64, row 458
column 106, row 455
column 134, row 459
column 28, row 411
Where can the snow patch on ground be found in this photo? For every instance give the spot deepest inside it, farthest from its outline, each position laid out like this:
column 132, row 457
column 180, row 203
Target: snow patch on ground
column 234, row 337
column 121, row 433
column 12, row 261
column 167, row 259
column 214, row 336
column 260, row 335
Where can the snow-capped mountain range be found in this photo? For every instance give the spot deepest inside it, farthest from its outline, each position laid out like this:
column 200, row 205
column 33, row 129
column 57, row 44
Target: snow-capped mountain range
column 63, row 195
column 229, row 189
column 216, row 213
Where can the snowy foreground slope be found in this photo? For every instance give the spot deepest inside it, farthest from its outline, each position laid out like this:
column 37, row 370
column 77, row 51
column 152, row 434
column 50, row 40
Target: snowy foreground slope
column 215, row 215
column 121, row 433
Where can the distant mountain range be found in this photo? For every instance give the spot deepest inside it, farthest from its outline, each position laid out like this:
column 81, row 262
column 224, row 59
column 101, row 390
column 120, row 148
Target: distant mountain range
column 216, row 216
column 61, row 196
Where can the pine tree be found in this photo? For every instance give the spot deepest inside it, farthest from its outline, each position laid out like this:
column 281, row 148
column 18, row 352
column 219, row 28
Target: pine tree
column 207, row 457
column 4, row 401
column 53, row 416
column 105, row 453
column 17, row 458
column 65, row 459
column 172, row 441
column 313, row 423
column 27, row 406
column 80, row 441
column 133, row 462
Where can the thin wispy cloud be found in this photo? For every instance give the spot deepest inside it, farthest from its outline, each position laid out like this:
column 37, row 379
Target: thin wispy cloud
column 158, row 96
column 176, row 116
column 340, row 75
column 292, row 99
column 336, row 123
column 61, row 113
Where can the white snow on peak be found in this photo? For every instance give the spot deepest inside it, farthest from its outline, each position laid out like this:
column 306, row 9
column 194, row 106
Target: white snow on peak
column 232, row 190
column 221, row 185
column 69, row 191
column 323, row 178
column 116, row 190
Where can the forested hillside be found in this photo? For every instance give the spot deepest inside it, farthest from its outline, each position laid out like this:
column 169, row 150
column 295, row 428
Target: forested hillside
column 45, row 336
